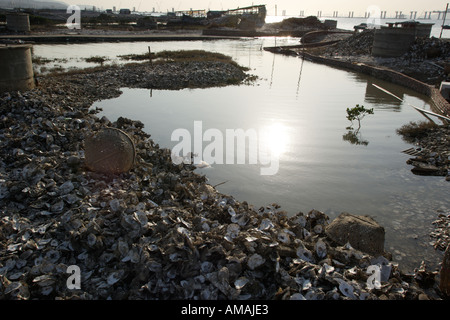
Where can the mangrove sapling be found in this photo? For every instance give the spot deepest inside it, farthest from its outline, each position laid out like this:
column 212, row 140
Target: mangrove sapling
column 357, row 113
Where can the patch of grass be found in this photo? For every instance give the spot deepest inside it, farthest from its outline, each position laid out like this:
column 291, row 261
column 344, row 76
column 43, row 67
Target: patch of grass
column 61, row 60
column 56, row 69
column 96, row 59
column 136, row 57
column 415, row 130
column 197, row 55
column 192, row 55
column 183, row 56
column 180, row 55
column 75, row 71
column 40, row 60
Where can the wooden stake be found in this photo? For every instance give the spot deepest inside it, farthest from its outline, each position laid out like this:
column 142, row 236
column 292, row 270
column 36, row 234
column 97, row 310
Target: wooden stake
column 150, row 56
column 443, row 22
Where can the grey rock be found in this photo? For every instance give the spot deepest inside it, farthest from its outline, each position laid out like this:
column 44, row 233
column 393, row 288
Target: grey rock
column 362, row 232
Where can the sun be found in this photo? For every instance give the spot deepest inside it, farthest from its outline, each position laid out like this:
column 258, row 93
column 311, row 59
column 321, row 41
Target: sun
column 276, row 139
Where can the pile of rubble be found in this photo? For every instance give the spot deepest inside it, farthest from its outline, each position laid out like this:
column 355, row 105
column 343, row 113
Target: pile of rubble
column 427, row 59
column 432, row 151
column 358, row 44
column 295, row 24
column 429, row 49
column 441, row 234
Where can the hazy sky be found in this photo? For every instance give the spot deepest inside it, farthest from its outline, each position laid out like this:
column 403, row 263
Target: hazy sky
column 292, row 7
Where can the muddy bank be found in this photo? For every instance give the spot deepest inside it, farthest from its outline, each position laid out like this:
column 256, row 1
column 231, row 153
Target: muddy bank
column 158, row 231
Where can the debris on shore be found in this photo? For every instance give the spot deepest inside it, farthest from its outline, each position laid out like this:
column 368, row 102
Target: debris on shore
column 295, row 24
column 432, row 151
column 426, row 59
column 442, row 232
column 358, row 44
column 158, row 231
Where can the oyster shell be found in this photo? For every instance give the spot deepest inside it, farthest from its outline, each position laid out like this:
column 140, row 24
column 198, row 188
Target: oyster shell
column 255, row 260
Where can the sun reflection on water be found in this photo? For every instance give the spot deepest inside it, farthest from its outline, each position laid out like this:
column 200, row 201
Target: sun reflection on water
column 275, row 138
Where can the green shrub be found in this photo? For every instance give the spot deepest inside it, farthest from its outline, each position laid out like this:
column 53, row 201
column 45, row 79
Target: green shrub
column 358, row 113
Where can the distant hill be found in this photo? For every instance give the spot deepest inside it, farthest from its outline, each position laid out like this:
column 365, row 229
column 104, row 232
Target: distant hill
column 34, row 4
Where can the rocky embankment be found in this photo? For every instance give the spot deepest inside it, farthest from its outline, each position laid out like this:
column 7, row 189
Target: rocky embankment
column 158, row 231
column 295, row 24
column 432, row 154
column 173, row 76
column 425, row 60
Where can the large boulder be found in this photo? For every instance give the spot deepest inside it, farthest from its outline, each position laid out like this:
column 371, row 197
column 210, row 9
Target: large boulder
column 362, row 232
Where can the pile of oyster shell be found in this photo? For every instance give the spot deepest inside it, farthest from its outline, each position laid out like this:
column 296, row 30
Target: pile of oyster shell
column 433, row 152
column 358, row 44
column 425, row 59
column 158, row 231
column 441, row 234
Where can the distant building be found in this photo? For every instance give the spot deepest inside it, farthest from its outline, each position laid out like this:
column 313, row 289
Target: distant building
column 124, row 11
column 109, row 11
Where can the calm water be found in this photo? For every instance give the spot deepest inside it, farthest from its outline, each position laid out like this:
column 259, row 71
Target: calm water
column 303, row 107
